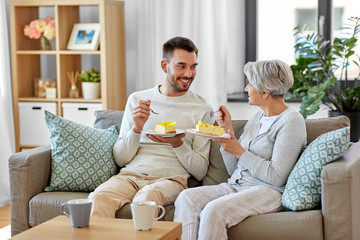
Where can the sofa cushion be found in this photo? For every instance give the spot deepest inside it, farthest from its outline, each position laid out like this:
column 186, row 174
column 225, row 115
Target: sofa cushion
column 82, row 156
column 217, row 172
column 303, row 188
column 45, row 206
column 281, row 225
column 316, row 127
column 107, row 118
column 125, row 212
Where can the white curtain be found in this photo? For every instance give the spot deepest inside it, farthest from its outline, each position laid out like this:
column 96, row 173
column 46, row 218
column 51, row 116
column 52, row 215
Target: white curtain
column 6, row 114
column 216, row 27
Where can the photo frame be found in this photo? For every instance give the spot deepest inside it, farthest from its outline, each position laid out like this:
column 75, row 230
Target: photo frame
column 84, row 36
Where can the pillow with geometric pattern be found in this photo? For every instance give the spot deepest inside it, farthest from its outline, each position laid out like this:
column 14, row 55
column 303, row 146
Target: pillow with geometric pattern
column 303, row 188
column 81, row 156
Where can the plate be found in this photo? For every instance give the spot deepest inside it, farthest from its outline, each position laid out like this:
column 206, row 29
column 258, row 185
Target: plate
column 193, row 131
column 152, row 132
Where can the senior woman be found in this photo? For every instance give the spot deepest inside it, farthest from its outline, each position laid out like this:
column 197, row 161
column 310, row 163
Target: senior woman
column 259, row 163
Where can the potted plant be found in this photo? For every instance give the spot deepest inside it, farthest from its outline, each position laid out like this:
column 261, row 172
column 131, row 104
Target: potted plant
column 90, row 83
column 321, row 75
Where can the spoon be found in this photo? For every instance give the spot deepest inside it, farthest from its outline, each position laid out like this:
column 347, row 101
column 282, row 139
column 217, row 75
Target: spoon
column 153, row 111
column 212, row 113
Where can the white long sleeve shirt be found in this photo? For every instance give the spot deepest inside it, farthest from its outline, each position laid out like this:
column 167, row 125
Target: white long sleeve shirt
column 135, row 152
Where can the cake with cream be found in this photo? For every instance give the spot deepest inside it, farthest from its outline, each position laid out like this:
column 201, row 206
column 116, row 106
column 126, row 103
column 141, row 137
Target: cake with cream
column 165, row 127
column 209, row 129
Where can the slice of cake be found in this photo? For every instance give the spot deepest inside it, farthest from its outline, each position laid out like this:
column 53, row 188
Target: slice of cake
column 208, row 129
column 165, row 127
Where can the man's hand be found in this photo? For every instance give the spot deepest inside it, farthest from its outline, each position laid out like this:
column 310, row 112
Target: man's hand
column 231, row 145
column 175, row 141
column 140, row 114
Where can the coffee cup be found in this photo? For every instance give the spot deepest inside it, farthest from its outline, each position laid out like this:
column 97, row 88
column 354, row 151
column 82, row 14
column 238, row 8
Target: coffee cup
column 80, row 210
column 143, row 214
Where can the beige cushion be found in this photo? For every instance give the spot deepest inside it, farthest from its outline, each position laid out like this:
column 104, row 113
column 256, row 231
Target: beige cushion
column 45, row 206
column 125, row 212
column 299, row 226
column 316, row 127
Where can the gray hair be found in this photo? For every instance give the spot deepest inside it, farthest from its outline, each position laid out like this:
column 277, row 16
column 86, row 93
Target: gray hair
column 274, row 76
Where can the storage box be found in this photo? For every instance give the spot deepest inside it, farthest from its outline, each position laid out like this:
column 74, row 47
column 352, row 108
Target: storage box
column 82, row 113
column 33, row 130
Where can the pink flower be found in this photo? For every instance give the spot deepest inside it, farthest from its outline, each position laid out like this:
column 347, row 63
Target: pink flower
column 34, row 33
column 48, row 19
column 33, row 24
column 52, row 23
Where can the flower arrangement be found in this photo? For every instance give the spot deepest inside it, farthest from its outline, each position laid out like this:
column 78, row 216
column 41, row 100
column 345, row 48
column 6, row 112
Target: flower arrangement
column 40, row 28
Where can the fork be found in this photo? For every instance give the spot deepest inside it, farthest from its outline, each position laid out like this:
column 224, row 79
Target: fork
column 153, row 111
column 212, row 113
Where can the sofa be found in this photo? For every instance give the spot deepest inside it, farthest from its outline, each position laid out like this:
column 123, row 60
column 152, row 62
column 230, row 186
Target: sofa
column 337, row 218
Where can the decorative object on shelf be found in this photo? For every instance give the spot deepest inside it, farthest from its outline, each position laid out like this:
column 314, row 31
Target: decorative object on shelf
column 90, row 83
column 50, row 92
column 45, row 43
column 41, row 84
column 322, row 74
column 84, row 36
column 74, row 90
column 43, row 29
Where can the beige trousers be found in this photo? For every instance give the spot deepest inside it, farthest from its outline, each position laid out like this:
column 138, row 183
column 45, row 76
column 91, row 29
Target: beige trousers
column 127, row 187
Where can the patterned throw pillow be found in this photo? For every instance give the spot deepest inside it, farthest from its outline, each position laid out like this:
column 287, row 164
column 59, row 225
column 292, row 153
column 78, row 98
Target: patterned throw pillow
column 303, row 188
column 81, row 156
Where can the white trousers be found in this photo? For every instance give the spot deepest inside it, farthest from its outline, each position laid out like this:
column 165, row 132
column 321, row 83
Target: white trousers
column 206, row 212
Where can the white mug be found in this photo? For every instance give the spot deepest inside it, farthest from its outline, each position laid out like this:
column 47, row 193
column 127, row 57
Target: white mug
column 143, row 214
column 80, row 210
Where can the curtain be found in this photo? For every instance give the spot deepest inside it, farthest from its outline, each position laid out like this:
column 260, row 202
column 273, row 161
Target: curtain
column 217, row 28
column 7, row 145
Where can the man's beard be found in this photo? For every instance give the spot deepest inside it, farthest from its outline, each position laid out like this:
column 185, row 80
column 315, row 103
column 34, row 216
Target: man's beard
column 175, row 86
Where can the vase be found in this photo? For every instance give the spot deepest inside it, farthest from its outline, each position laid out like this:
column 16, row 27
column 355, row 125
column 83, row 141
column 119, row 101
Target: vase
column 45, row 43
column 91, row 90
column 74, row 92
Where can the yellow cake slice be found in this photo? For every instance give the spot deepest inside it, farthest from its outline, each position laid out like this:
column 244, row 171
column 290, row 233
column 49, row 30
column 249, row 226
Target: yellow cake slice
column 165, row 127
column 208, row 129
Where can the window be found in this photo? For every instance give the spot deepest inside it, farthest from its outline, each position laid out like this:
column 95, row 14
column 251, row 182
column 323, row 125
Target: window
column 274, row 21
column 343, row 10
column 275, row 38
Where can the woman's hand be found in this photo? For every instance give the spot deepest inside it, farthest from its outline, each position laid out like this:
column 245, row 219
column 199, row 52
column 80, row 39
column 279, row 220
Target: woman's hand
column 231, row 145
column 140, row 114
column 224, row 119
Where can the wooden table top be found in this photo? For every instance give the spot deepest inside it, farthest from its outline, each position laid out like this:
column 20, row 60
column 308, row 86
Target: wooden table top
column 100, row 228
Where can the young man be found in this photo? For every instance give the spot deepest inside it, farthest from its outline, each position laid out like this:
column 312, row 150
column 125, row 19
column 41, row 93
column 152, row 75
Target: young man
column 156, row 168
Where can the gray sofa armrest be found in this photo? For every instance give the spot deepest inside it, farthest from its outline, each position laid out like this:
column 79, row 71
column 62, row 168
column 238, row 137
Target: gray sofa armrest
column 340, row 183
column 29, row 173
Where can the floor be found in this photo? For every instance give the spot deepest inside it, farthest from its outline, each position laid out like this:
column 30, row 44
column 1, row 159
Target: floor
column 5, row 222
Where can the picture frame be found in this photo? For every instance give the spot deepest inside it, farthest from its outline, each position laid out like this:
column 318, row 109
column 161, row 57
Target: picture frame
column 84, row 36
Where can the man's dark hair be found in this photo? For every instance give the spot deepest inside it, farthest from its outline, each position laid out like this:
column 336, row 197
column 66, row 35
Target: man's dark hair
column 178, row 43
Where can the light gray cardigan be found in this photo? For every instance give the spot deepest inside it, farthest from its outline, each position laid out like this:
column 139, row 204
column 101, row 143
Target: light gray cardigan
column 270, row 156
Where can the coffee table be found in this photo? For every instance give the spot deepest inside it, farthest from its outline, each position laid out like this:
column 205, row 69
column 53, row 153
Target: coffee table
column 100, row 228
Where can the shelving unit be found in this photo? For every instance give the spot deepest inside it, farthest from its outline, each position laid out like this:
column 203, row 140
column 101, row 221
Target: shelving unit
column 27, row 60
